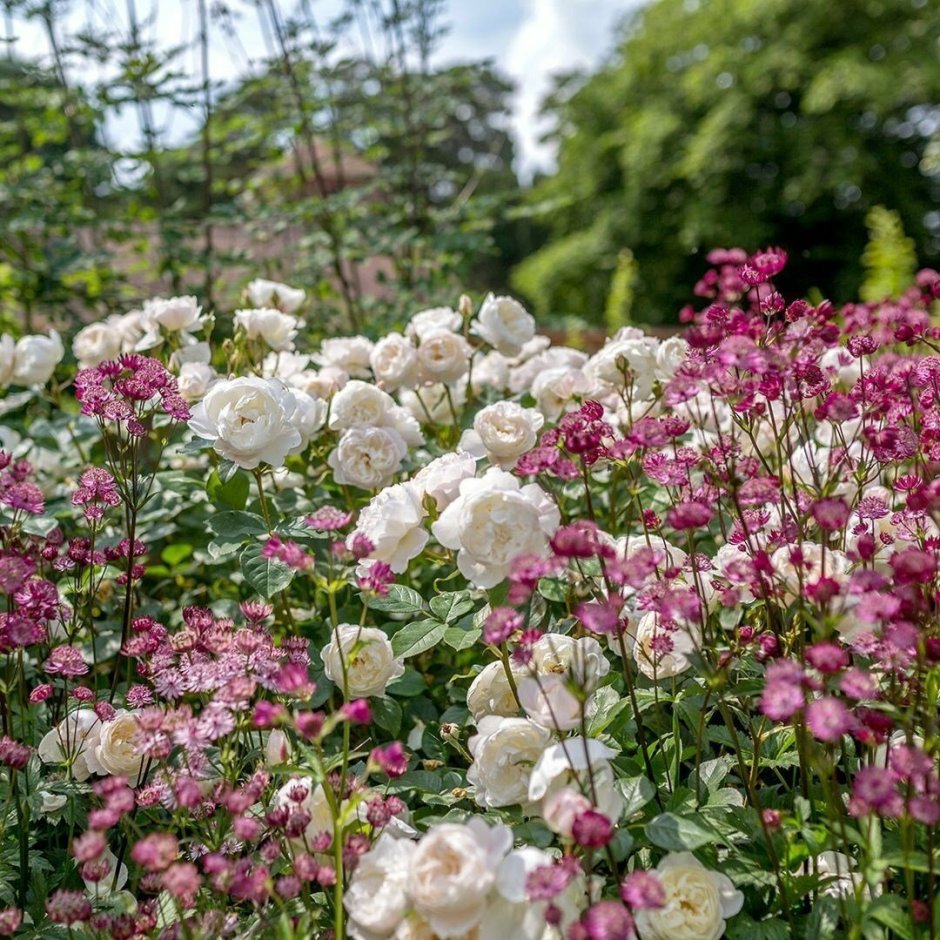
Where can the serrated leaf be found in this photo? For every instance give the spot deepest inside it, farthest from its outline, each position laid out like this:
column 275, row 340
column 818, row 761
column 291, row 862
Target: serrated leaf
column 417, row 637
column 677, row 833
column 399, row 600
column 266, row 576
column 452, row 606
column 891, row 912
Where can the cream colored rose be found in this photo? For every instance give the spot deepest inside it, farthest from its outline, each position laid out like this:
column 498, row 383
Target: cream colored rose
column 433, row 320
column 392, row 523
column 814, row 563
column 116, row 752
column 322, row 383
column 554, row 390
column 394, row 362
column 97, row 343
column 35, row 358
column 376, row 898
column 435, row 404
column 441, row 478
column 443, row 357
column 276, row 329
column 582, row 659
column 493, row 521
column 160, row 315
column 562, row 807
column 367, row 458
column 661, row 651
column 502, row 433
column 367, row 655
column 550, row 702
column 263, row 293
column 504, row 751
column 491, row 694
column 630, row 351
column 490, row 371
column 248, row 420
column 359, row 404
column 698, row 902
column 349, row 353
column 73, row 741
column 314, row 803
column 277, row 748
column 194, row 380
column 7, row 358
column 308, row 417
column 453, row 871
column 505, row 324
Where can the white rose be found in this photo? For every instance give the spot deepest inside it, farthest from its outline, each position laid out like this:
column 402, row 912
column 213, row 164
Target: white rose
column 584, row 762
column 51, row 802
column 284, row 365
column 194, row 380
column 661, row 652
column 116, row 752
column 369, row 660
column 7, row 358
column 669, row 356
column 554, row 389
column 581, row 659
column 561, row 808
column 443, row 357
column 814, row 564
column 359, row 404
column 840, row 874
column 35, row 359
column 441, row 478
column 550, row 703
column 277, row 748
column 130, row 326
column 502, row 433
column 433, row 320
column 453, row 871
column 180, row 315
column 504, row 751
column 101, row 890
column 394, row 362
column 308, row 417
column 349, row 353
column 435, row 404
column 505, row 324
column 191, row 352
column 376, row 897
column 698, row 902
column 490, row 371
column 248, row 420
column 73, row 740
column 97, row 343
column 491, row 694
column 637, row 353
column 262, row 293
column 278, row 330
column 494, row 520
column 539, row 356
column 322, row 383
column 367, row 458
column 392, row 523
column 314, row 804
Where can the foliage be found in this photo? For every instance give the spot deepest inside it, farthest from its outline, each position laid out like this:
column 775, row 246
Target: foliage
column 890, row 257
column 726, row 121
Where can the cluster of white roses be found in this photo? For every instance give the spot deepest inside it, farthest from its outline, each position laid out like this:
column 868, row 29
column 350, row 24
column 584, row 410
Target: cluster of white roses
column 30, row 360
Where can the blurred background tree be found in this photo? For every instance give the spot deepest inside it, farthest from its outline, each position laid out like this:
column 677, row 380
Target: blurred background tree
column 731, row 122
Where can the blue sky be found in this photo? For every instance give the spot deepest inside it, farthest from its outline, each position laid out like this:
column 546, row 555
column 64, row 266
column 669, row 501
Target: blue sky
column 528, row 39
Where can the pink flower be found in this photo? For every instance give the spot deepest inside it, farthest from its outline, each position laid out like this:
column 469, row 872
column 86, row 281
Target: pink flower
column 591, row 829
column 828, row 719
column 182, row 881
column 391, row 758
column 689, row 515
column 642, row 890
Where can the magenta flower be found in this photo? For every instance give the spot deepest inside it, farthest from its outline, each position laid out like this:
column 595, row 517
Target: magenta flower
column 828, row 719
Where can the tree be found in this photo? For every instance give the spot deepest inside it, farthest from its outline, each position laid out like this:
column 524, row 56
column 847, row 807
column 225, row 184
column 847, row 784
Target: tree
column 729, row 122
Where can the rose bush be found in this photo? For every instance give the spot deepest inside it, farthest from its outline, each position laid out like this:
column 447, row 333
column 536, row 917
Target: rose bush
column 454, row 633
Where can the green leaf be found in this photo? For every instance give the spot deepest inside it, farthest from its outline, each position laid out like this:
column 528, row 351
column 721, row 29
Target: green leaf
column 891, row 912
column 236, row 525
column 387, row 715
column 450, row 607
column 399, row 600
column 172, row 555
column 408, row 685
column 232, row 494
column 39, row 525
column 636, row 792
column 607, row 705
column 459, row 639
column 415, row 638
column 677, row 833
column 266, row 576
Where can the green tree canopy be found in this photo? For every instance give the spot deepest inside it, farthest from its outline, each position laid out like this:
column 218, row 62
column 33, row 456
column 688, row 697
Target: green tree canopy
column 731, row 122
